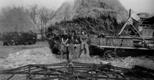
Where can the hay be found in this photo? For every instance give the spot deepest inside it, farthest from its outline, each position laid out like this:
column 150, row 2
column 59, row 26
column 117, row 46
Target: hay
column 130, row 62
column 91, row 15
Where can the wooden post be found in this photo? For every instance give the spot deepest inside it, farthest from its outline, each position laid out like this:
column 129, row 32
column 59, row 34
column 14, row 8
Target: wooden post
column 125, row 23
column 10, row 77
column 67, row 55
column 29, row 76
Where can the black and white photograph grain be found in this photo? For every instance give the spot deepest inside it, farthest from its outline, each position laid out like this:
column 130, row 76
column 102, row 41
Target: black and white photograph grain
column 76, row 39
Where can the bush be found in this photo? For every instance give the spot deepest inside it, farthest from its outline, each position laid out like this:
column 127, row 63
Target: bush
column 19, row 38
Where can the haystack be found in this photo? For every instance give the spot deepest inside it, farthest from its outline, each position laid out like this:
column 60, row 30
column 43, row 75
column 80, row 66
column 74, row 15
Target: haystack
column 91, row 15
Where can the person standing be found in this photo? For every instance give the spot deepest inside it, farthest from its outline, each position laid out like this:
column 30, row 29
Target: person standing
column 76, row 43
column 63, row 45
column 71, row 46
column 84, row 48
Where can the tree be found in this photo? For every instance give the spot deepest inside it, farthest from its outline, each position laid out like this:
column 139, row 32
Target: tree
column 15, row 19
column 44, row 16
column 40, row 17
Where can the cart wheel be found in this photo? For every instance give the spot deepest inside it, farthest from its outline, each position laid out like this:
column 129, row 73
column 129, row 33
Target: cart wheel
column 109, row 54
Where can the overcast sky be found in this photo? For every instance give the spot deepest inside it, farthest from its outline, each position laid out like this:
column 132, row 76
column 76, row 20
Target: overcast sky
column 136, row 5
column 54, row 4
column 139, row 5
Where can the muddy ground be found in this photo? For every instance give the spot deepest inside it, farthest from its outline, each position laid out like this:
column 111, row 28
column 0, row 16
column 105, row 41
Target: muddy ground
column 15, row 56
column 41, row 49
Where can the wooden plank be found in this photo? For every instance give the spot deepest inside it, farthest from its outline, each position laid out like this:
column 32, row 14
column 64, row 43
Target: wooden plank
column 128, row 37
column 117, row 47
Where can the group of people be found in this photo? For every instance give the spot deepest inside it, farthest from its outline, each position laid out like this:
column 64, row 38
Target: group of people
column 72, row 43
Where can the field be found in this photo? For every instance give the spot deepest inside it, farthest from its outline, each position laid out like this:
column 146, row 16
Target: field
column 17, row 56
column 21, row 53
column 6, row 50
